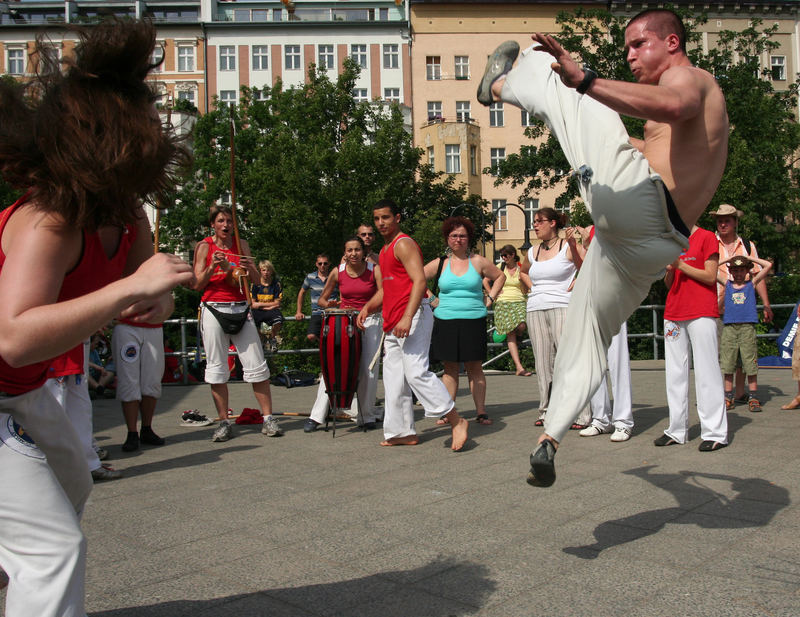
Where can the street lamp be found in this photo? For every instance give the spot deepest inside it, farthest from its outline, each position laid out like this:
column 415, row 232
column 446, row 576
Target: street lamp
column 525, row 245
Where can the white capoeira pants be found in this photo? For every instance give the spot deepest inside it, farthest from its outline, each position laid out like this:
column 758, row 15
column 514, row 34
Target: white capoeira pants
column 405, row 369
column 364, row 400
column 634, row 237
column 45, row 487
column 701, row 334
column 619, row 369
column 139, row 358
column 246, row 341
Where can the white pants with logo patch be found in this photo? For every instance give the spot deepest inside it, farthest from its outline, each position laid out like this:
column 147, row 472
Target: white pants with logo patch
column 139, row 358
column 42, row 548
column 701, row 334
column 634, row 237
column 246, row 341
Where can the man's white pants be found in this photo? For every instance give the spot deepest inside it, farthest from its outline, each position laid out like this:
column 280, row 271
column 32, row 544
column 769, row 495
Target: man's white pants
column 42, row 548
column 701, row 333
column 619, row 369
column 139, row 358
column 406, row 369
column 634, row 237
column 364, row 401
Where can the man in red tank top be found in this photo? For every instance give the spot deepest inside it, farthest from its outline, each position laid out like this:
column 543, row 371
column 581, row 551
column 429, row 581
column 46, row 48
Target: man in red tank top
column 407, row 324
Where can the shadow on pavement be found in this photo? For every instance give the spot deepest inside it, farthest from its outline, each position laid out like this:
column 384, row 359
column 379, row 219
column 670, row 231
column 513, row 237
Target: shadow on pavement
column 689, row 491
column 460, row 588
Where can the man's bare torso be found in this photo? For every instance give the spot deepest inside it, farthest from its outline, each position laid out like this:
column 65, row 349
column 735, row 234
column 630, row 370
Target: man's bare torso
column 690, row 156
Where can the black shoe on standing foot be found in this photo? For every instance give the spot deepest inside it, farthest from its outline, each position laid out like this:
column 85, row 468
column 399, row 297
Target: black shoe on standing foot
column 132, row 442
column 147, row 436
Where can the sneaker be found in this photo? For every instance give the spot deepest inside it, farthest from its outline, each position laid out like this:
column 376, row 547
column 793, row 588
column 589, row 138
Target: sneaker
column 147, row 436
column 273, row 345
column 498, row 64
column 132, row 442
column 593, row 431
column 729, row 404
column 754, row 405
column 105, row 473
column 310, row 426
column 621, row 434
column 102, row 453
column 223, row 432
column 194, row 418
column 665, row 440
column 270, row 427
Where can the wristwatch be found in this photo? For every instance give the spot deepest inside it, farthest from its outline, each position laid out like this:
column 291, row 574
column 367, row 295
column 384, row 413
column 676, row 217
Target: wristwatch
column 589, row 75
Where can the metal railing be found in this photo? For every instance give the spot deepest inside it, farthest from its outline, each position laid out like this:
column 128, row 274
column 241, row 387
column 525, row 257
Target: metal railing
column 656, row 334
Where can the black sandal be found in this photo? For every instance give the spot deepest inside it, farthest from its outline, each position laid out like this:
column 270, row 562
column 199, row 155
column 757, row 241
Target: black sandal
column 483, row 418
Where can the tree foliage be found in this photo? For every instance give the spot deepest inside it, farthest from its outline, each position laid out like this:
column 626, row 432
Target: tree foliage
column 310, row 162
column 761, row 178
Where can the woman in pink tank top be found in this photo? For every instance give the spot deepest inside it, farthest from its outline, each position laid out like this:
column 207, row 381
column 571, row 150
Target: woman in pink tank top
column 358, row 281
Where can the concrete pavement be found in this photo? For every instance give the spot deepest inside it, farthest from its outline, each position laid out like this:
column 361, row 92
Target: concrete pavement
column 311, row 525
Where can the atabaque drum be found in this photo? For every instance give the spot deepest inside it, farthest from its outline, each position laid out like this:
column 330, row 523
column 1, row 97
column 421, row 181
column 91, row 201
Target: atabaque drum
column 340, row 356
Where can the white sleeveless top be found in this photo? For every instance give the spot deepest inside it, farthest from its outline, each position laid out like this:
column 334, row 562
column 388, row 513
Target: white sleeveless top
column 550, row 280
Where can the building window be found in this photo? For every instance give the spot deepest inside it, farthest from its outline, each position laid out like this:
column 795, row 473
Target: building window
column 241, row 15
column 527, row 119
column 227, row 58
column 360, row 95
column 452, row 155
column 497, row 155
column 16, row 61
column 291, row 54
column 391, row 94
column 778, row 66
column 359, row 55
column 227, row 97
column 258, row 94
column 325, row 57
column 462, row 67
column 186, row 95
column 496, row 114
column 434, row 110
column 260, row 57
column 473, row 160
column 531, row 206
column 433, row 67
column 185, row 58
column 391, row 57
column 462, row 111
column 277, row 14
column 259, row 15
column 157, row 58
column 501, row 213
column 431, row 159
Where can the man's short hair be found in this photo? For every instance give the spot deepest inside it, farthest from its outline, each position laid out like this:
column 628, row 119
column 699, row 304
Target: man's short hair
column 662, row 22
column 387, row 203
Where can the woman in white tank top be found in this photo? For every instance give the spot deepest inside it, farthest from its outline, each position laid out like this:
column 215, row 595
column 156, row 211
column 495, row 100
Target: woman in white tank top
column 552, row 266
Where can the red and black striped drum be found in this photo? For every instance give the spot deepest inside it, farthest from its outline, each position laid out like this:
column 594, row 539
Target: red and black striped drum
column 340, row 356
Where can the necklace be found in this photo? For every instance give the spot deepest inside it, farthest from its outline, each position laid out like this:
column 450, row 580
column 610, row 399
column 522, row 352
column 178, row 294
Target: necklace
column 546, row 246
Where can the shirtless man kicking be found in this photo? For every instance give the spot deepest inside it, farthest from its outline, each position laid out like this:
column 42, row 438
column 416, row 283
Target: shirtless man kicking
column 407, row 323
column 644, row 196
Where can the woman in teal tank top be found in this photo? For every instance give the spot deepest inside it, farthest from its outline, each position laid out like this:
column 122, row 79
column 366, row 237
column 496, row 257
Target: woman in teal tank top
column 459, row 326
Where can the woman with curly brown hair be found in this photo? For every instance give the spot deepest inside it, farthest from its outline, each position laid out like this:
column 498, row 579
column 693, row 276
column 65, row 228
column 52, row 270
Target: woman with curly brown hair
column 87, row 146
column 459, row 324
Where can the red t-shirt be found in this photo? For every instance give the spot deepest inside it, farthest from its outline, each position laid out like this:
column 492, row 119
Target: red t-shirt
column 396, row 284
column 218, row 288
column 688, row 298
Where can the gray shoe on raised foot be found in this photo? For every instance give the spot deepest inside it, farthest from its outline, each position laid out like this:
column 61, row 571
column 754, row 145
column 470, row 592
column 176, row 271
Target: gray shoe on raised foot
column 498, row 64
column 270, row 427
column 223, row 432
